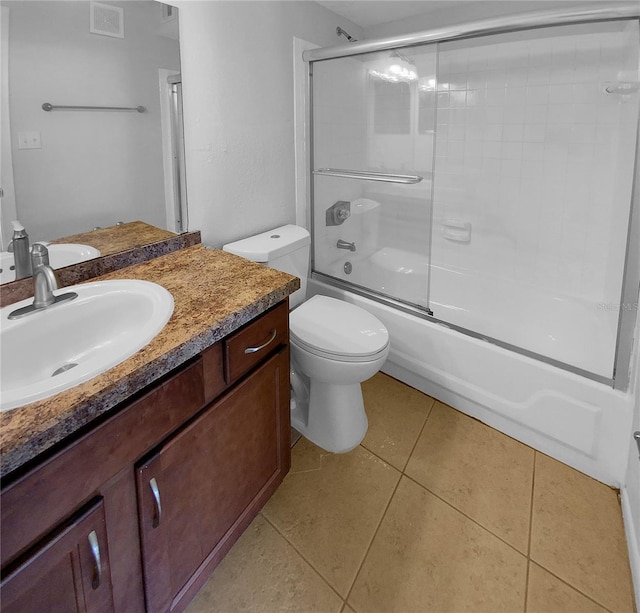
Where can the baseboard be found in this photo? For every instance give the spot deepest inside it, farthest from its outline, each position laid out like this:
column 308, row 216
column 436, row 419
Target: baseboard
column 633, row 542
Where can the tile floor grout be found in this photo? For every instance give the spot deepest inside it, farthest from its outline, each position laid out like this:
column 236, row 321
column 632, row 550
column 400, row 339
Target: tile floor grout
column 527, row 555
column 308, row 562
column 375, row 533
column 449, row 504
column 565, row 582
column 533, row 489
column 529, row 583
column 424, row 425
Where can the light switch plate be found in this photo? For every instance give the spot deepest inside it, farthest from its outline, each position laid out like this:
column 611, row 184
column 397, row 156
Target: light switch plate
column 29, row 140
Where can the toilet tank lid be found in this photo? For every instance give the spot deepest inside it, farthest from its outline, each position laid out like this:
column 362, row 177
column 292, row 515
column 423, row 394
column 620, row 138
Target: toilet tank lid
column 271, row 244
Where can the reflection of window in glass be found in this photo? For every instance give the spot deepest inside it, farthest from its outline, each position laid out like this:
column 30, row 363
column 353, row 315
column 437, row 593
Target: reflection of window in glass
column 392, row 107
column 426, row 111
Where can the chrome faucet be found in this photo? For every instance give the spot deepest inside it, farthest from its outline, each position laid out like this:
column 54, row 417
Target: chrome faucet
column 44, row 282
column 345, row 245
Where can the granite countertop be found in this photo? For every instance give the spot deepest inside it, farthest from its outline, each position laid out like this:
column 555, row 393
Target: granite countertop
column 214, row 293
column 120, row 246
column 119, row 238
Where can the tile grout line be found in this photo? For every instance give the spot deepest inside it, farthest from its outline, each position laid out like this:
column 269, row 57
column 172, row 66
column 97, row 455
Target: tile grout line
column 573, row 587
column 315, row 570
column 424, row 425
column 531, row 561
column 404, row 466
column 533, row 489
column 373, row 538
column 471, row 519
column 401, row 471
column 449, row 504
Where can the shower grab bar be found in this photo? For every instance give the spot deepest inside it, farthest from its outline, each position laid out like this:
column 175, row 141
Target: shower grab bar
column 47, row 106
column 368, row 175
column 494, row 25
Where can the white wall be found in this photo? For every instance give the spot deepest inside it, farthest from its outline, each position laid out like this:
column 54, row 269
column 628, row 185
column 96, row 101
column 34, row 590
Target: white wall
column 464, row 12
column 94, row 168
column 237, row 67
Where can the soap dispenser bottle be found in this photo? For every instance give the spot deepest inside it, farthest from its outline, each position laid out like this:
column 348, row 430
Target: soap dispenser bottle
column 21, row 252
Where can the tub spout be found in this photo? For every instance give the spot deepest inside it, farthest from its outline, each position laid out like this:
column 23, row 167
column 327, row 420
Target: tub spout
column 345, row 245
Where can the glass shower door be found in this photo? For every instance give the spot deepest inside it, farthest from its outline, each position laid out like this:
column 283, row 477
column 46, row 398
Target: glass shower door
column 373, row 140
column 535, row 151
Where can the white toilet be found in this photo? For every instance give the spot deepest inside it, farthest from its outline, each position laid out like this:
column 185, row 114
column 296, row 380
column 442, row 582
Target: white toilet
column 334, row 346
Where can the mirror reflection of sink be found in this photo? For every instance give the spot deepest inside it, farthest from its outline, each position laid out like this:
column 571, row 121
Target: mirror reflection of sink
column 62, row 346
column 60, row 255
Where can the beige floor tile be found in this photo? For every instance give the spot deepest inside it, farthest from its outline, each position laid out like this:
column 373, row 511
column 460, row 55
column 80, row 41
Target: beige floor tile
column 578, row 535
column 263, row 574
column 329, row 507
column 427, row 556
column 482, row 472
column 396, row 415
column 547, row 594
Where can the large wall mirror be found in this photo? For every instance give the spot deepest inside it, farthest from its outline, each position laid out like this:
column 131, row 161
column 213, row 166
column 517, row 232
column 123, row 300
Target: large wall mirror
column 68, row 170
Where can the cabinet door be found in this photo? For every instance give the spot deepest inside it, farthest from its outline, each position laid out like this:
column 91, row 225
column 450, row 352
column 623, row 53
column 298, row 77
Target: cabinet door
column 200, row 490
column 68, row 572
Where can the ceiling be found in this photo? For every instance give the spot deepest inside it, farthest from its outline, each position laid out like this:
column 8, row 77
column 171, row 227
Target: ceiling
column 367, row 13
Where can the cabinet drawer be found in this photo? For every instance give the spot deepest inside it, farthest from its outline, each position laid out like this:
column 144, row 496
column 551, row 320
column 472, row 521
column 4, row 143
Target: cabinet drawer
column 250, row 345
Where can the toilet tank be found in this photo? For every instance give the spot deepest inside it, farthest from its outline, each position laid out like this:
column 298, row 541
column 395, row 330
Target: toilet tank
column 285, row 248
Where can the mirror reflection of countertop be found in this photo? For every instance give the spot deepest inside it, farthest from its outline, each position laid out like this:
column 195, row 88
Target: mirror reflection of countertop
column 114, row 239
column 214, row 292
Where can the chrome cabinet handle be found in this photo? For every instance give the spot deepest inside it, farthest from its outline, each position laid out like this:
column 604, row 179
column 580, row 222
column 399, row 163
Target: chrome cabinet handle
column 157, row 514
column 274, row 333
column 96, row 579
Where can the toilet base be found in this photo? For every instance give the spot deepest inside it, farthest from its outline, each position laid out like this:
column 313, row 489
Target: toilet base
column 342, row 422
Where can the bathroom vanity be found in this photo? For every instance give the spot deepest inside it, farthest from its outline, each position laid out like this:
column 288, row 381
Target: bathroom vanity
column 124, row 493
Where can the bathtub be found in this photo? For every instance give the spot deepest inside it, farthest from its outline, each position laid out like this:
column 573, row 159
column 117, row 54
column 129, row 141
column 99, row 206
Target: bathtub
column 511, row 312
column 570, row 417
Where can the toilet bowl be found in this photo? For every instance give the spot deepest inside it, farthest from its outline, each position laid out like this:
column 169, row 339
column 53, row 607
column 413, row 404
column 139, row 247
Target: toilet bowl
column 334, row 346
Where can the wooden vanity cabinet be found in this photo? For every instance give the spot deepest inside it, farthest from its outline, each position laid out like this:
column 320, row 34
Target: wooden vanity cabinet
column 69, row 572
column 164, row 486
column 192, row 512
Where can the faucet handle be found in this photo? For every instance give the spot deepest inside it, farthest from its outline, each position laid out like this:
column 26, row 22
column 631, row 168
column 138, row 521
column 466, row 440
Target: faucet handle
column 39, row 255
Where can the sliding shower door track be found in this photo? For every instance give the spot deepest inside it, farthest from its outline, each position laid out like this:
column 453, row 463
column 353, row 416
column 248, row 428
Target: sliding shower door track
column 428, row 314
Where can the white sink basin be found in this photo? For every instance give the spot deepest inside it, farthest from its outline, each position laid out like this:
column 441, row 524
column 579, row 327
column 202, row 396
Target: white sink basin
column 61, row 346
column 60, row 256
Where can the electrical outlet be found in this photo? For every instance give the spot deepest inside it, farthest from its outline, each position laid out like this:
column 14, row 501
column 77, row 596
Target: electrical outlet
column 29, row 140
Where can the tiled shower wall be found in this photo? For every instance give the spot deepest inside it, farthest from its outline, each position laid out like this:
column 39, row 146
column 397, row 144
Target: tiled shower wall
column 531, row 170
column 538, row 157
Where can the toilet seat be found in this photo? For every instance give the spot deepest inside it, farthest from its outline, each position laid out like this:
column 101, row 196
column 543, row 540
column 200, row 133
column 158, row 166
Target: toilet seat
column 337, row 330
